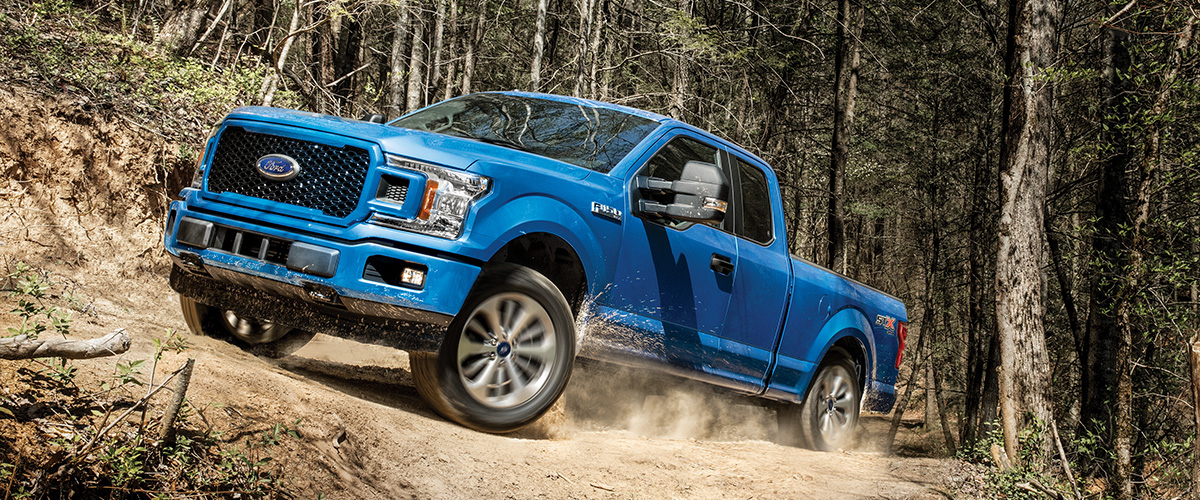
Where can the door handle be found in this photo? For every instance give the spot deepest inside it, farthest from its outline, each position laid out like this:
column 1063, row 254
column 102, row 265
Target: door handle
column 721, row 264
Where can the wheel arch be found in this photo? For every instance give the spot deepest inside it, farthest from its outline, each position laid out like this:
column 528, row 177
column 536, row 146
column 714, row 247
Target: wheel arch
column 553, row 257
column 849, row 330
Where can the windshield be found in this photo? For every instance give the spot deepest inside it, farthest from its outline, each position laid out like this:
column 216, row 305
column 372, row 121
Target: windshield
column 592, row 138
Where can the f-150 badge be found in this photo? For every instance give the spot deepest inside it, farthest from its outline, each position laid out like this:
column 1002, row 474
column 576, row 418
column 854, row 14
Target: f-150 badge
column 606, row 211
column 887, row 322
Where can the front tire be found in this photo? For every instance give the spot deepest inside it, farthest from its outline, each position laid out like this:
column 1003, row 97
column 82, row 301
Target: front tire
column 506, row 357
column 262, row 337
column 827, row 420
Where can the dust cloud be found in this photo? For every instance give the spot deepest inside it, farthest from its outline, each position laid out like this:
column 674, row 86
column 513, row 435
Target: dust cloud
column 645, row 401
column 605, row 397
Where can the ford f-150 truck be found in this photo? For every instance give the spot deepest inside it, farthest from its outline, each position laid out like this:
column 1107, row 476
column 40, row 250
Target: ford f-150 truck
column 497, row 236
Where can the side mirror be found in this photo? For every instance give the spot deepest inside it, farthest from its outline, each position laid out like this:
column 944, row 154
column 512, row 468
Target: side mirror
column 374, row 118
column 698, row 196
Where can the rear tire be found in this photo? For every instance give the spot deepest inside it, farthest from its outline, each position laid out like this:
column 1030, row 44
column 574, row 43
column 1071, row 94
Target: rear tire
column 259, row 337
column 827, row 420
column 506, row 357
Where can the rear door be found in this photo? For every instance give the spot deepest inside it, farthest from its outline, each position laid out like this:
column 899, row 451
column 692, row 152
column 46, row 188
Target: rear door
column 762, row 279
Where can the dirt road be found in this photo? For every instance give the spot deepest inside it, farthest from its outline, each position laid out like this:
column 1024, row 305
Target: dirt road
column 364, row 433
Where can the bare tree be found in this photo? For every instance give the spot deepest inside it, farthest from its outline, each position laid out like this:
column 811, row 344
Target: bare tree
column 849, row 34
column 473, row 46
column 400, row 57
column 452, row 49
column 680, row 84
column 439, row 37
column 1025, row 363
column 416, row 78
column 539, row 46
column 280, row 55
column 597, row 29
column 583, row 55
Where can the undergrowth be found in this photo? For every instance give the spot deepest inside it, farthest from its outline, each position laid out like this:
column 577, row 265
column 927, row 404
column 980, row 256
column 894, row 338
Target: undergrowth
column 1020, row 480
column 65, row 438
column 108, row 61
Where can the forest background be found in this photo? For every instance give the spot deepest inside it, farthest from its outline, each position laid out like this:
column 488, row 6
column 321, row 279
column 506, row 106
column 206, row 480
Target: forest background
column 1023, row 173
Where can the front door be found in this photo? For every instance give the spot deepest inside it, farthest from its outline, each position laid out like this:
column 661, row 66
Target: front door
column 669, row 287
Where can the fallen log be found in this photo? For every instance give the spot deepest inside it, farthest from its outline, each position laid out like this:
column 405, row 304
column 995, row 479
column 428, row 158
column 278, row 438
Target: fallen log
column 23, row 347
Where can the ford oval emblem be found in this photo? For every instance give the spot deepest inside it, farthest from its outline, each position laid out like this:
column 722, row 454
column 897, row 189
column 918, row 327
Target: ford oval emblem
column 277, row 168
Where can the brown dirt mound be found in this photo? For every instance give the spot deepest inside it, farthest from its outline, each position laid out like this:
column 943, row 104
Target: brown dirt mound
column 83, row 185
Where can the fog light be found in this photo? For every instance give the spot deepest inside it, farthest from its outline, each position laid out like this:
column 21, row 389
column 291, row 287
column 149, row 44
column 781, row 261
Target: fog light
column 414, row 277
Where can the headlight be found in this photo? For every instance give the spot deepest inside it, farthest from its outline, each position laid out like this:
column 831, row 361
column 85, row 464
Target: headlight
column 445, row 202
column 198, row 175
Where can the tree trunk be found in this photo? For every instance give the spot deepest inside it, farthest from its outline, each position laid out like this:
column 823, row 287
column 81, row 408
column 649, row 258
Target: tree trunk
column 582, row 56
column 606, row 55
column 931, row 413
column 416, row 75
column 213, row 25
column 597, row 30
column 1136, row 273
column 680, row 84
column 947, row 434
column 400, row 59
column 167, row 432
column 452, row 49
column 476, row 38
column 977, row 334
column 902, row 403
column 928, row 311
column 1194, row 365
column 439, row 40
column 849, row 33
column 324, row 52
column 1098, row 352
column 346, row 61
column 272, row 81
column 989, row 405
column 1025, row 363
column 182, row 26
column 539, row 46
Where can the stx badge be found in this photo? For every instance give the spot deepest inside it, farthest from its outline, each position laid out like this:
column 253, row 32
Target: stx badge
column 887, row 322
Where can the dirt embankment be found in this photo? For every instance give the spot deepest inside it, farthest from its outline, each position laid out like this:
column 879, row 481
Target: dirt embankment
column 84, row 185
column 82, row 194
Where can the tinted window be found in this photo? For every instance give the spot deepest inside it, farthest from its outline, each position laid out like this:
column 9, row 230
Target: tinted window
column 592, row 138
column 756, row 204
column 668, row 162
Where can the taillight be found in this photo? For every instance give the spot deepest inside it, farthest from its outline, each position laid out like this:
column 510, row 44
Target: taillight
column 901, row 335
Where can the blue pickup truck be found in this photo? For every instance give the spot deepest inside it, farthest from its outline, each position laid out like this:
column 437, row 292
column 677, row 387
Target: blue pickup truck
column 498, row 236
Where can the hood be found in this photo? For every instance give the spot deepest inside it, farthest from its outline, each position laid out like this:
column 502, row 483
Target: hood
column 450, row 151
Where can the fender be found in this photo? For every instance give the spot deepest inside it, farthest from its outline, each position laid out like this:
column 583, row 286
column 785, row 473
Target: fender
column 848, row 322
column 561, row 220
column 790, row 377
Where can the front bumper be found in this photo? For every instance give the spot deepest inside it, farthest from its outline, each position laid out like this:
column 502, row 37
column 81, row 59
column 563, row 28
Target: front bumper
column 355, row 293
